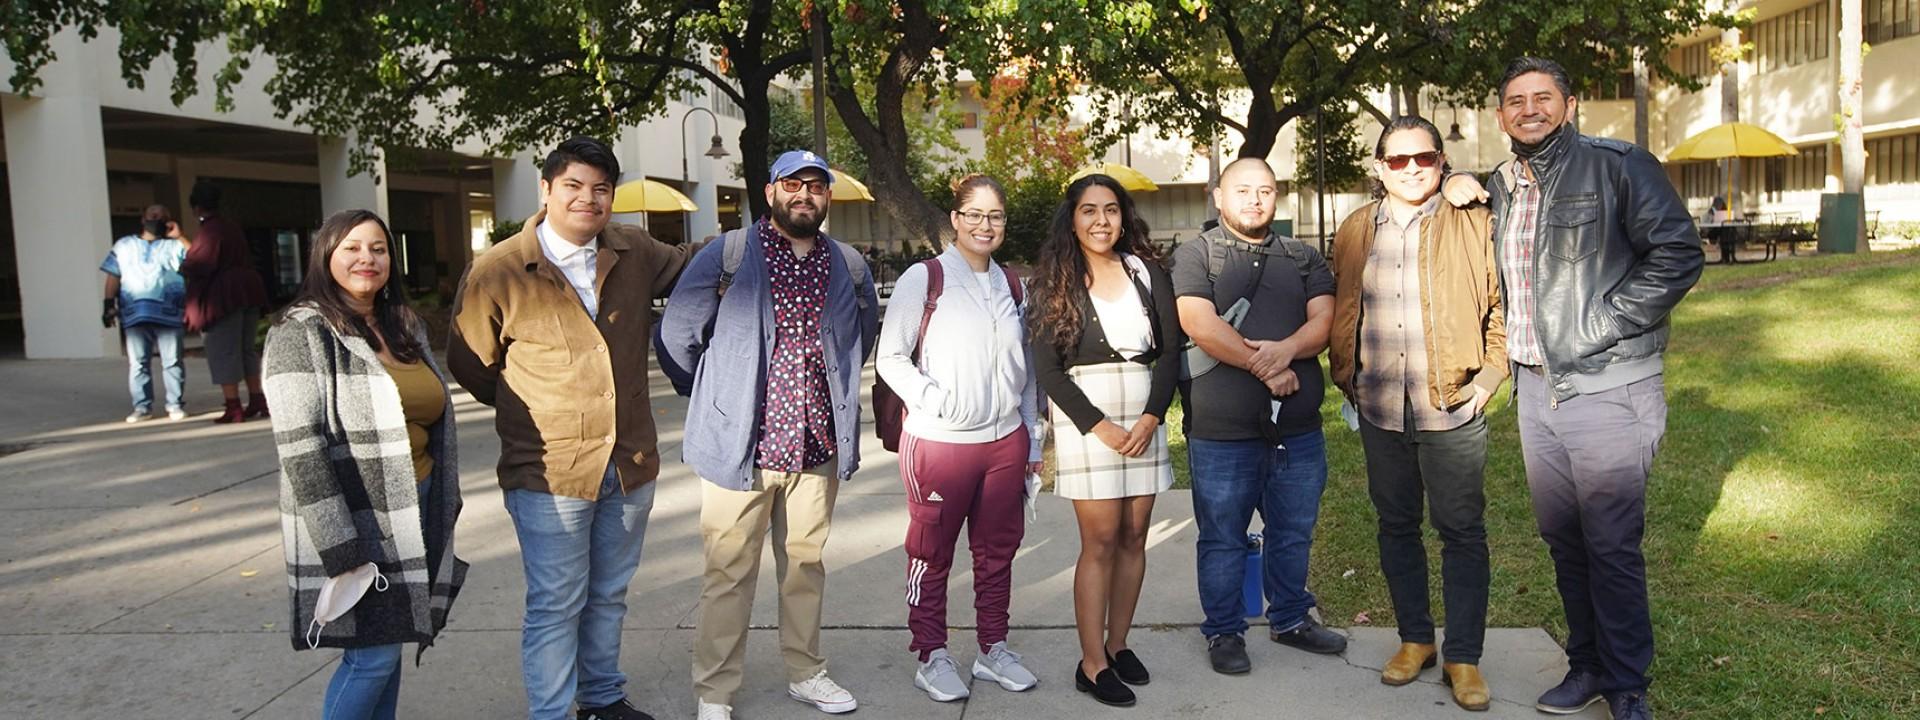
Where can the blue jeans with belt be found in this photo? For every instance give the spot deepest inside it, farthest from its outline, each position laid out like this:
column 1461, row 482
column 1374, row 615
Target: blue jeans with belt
column 578, row 556
column 1231, row 480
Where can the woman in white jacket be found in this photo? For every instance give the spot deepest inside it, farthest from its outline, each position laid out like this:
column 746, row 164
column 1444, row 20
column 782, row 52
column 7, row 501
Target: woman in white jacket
column 971, row 436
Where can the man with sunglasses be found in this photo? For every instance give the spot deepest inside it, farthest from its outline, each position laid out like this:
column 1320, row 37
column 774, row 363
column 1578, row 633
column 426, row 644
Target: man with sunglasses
column 1253, row 419
column 773, row 425
column 1596, row 249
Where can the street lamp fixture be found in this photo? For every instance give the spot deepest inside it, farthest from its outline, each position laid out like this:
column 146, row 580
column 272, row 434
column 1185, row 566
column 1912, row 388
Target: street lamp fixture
column 717, row 151
column 1453, row 133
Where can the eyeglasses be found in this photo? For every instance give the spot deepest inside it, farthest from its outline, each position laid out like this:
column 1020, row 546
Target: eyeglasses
column 793, row 185
column 974, row 217
column 1426, row 159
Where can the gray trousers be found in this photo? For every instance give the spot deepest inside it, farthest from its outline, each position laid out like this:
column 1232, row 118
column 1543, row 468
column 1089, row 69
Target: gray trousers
column 1587, row 461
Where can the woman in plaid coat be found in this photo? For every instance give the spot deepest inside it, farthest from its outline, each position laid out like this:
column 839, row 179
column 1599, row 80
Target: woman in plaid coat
column 364, row 429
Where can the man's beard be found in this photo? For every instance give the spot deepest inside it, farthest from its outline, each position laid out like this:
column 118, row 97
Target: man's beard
column 804, row 228
column 1256, row 231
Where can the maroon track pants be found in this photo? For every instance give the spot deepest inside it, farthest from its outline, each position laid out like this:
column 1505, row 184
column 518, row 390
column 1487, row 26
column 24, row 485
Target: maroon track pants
column 981, row 486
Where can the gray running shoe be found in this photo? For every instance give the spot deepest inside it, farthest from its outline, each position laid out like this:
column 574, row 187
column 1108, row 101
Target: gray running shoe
column 940, row 677
column 1003, row 666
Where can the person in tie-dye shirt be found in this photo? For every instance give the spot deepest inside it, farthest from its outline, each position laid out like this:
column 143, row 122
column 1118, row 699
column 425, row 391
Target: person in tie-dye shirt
column 146, row 294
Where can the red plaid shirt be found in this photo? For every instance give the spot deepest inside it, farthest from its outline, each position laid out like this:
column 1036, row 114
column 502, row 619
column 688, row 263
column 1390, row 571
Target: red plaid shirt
column 1516, row 265
column 796, row 425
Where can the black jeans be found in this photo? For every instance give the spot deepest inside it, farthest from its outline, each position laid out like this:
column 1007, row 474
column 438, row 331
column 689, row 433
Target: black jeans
column 1447, row 469
column 1587, row 462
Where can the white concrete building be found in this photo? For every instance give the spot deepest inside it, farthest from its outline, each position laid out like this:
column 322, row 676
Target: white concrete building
column 85, row 154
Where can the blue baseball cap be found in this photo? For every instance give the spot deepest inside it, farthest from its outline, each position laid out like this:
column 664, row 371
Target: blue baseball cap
column 793, row 161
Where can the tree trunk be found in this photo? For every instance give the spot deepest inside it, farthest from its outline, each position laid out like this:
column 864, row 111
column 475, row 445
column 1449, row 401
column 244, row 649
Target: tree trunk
column 754, row 163
column 1853, row 149
column 883, row 137
column 1263, row 128
column 1641, row 122
column 1730, row 112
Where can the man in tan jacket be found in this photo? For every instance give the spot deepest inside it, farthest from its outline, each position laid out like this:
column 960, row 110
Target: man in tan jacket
column 551, row 328
column 1419, row 347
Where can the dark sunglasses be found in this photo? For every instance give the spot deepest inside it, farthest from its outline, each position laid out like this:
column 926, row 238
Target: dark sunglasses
column 1426, row 159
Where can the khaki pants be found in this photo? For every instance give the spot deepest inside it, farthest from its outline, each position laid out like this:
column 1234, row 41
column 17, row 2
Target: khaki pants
column 798, row 507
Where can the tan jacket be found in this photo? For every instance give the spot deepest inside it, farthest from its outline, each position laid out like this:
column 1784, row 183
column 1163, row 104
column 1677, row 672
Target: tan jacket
column 569, row 392
column 1467, row 337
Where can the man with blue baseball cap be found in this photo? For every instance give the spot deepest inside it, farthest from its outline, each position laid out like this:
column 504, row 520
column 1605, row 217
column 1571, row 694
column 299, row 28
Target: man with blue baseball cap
column 788, row 317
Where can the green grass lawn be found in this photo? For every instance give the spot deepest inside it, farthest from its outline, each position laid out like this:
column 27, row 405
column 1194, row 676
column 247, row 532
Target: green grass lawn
column 1783, row 528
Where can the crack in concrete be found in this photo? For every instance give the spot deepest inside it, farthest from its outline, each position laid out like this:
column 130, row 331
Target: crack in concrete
column 183, row 588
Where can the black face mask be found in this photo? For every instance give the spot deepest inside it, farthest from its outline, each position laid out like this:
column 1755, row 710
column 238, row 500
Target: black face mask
column 1528, row 150
column 156, row 228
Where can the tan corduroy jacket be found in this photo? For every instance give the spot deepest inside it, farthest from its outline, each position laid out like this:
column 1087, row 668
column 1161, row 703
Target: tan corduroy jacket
column 569, row 391
column 1466, row 328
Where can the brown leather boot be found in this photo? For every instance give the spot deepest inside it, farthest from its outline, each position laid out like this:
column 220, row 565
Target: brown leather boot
column 1469, row 689
column 1407, row 664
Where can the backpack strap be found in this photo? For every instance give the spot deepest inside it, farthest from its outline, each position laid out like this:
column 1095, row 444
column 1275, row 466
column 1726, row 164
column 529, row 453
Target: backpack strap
column 1013, row 285
column 936, row 284
column 856, row 268
column 732, row 253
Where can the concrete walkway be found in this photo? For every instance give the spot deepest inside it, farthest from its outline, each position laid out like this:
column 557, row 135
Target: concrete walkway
column 141, row 577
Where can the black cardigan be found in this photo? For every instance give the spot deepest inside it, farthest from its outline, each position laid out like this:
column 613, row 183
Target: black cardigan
column 1050, row 365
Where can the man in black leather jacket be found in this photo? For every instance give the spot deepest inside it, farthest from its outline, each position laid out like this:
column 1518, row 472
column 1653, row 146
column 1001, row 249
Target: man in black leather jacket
column 1596, row 248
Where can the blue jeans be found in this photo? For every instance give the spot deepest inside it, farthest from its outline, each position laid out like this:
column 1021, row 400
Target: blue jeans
column 578, row 556
column 366, row 685
column 142, row 342
column 1232, row 479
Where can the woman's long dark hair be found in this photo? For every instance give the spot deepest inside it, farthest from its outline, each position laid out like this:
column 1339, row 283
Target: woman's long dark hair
column 1061, row 274
column 395, row 320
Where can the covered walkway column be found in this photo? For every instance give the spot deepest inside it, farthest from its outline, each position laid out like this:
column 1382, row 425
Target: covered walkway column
column 57, row 177
column 342, row 190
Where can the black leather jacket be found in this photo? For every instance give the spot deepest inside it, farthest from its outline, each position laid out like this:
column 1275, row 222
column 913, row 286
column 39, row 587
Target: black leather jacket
column 1614, row 252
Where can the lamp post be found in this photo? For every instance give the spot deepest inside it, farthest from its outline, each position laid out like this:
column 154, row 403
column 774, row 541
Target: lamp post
column 716, row 152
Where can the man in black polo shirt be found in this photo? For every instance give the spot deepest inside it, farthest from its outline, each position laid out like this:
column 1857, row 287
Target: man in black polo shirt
column 1258, row 307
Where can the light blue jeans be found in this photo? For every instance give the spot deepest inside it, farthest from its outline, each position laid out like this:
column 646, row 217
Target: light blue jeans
column 578, row 556
column 142, row 341
column 366, row 685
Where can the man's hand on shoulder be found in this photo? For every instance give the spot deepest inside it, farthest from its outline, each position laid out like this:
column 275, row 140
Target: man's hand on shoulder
column 1462, row 190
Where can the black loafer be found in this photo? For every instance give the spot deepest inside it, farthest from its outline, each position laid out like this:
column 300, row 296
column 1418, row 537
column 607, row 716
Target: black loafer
column 1311, row 637
column 1228, row 654
column 1127, row 666
column 1105, row 687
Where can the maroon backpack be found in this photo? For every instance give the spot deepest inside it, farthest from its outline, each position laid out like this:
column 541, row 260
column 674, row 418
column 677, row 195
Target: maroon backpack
column 889, row 411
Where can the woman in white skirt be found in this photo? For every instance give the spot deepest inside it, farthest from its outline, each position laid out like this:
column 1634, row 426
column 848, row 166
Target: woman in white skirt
column 1101, row 315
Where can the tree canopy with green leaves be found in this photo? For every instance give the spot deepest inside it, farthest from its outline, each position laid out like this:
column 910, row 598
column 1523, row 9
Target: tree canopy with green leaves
column 1189, row 64
column 422, row 73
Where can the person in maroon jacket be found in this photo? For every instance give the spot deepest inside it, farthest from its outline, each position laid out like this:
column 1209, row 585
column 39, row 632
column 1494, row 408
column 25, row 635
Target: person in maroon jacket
column 224, row 297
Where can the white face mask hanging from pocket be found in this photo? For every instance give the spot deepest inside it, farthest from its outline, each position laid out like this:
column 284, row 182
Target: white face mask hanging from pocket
column 340, row 594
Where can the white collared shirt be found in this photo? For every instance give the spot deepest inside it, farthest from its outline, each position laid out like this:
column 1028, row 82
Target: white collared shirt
column 576, row 263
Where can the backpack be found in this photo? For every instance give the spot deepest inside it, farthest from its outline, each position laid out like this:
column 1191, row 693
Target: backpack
column 734, row 251
column 889, row 411
column 1195, row 362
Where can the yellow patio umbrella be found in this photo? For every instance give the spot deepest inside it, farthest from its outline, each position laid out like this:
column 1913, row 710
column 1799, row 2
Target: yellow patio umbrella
column 847, row 188
column 1731, row 140
column 645, row 195
column 1131, row 179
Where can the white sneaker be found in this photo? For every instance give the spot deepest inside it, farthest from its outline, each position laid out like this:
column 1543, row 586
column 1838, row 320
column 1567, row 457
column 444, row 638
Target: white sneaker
column 940, row 677
column 176, row 414
column 710, row 711
column 137, row 416
column 823, row 693
column 1003, row 666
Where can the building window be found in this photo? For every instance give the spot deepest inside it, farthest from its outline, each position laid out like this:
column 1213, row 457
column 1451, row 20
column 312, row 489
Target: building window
column 1884, row 20
column 969, row 121
column 1894, row 160
column 1616, row 87
column 1695, row 61
column 1796, row 37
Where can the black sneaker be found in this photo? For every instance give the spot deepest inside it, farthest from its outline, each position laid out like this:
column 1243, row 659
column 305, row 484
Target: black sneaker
column 1105, row 687
column 1228, row 653
column 1127, row 666
column 1311, row 637
column 1629, row 706
column 1574, row 693
column 622, row 710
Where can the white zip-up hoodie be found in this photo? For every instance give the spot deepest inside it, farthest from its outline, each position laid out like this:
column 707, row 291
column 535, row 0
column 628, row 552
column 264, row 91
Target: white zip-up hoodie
column 975, row 380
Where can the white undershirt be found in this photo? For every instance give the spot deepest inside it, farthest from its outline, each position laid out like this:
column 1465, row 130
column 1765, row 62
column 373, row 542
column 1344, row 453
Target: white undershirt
column 576, row 263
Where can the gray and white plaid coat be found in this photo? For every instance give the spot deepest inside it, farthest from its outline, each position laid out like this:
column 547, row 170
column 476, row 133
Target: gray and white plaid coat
column 347, row 488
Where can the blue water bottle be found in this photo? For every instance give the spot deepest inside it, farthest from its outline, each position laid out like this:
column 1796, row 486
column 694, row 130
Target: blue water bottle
column 1250, row 586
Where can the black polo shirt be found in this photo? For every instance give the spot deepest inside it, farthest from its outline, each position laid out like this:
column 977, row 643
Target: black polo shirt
column 1229, row 403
